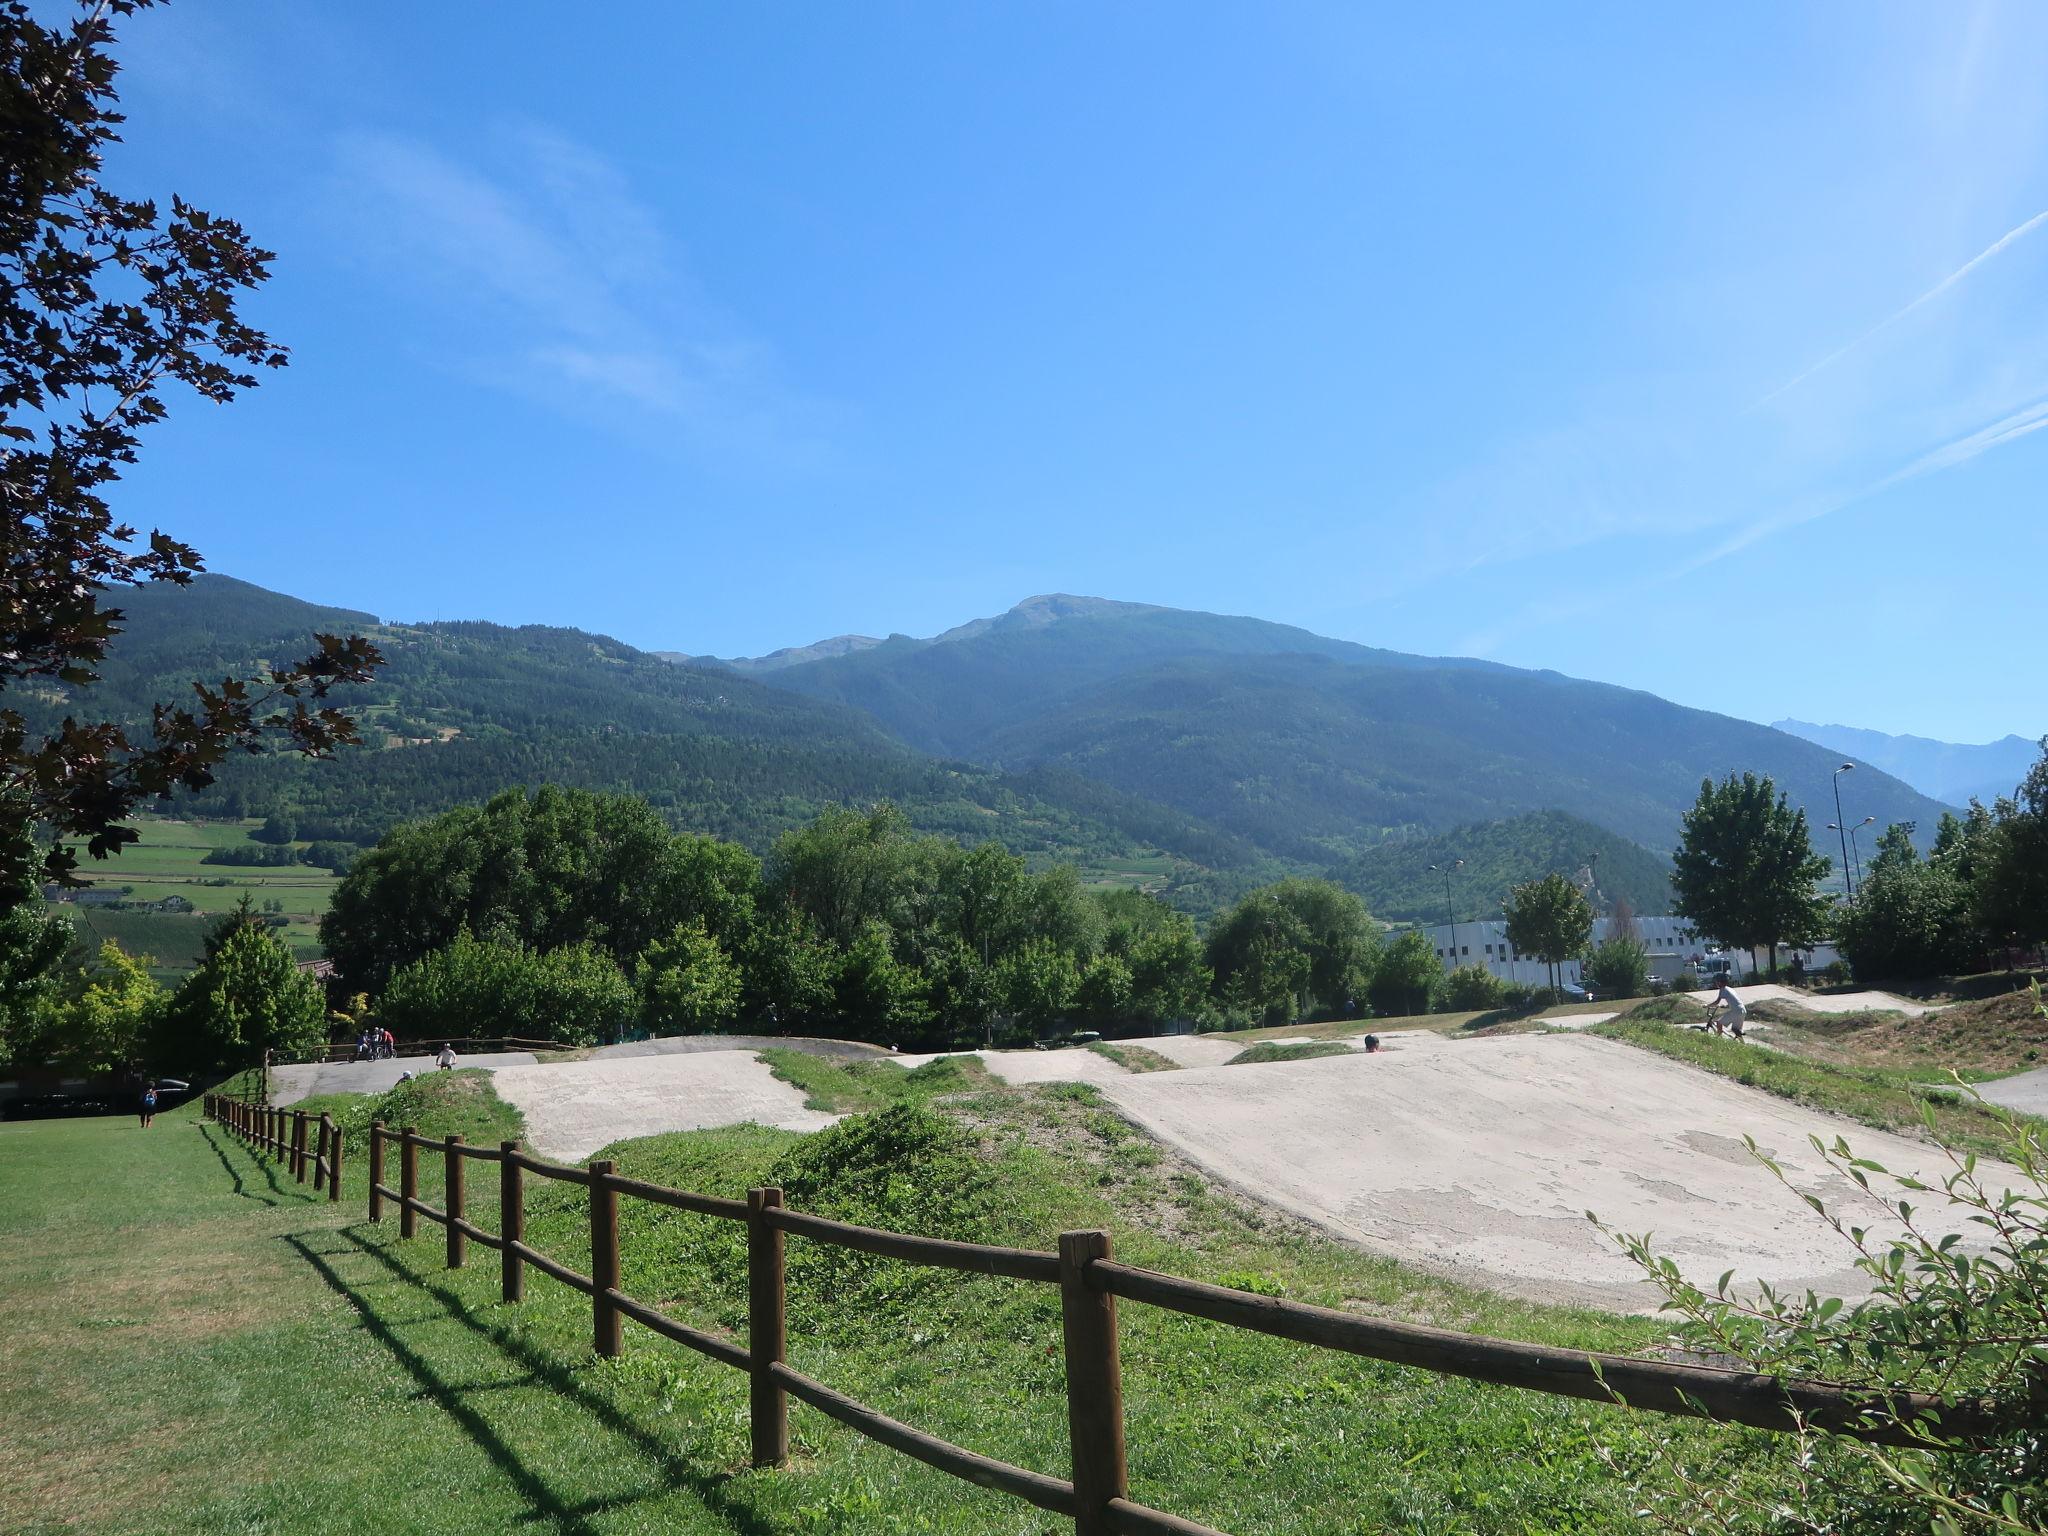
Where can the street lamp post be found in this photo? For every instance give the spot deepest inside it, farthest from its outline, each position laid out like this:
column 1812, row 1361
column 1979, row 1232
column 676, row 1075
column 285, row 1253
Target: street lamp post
column 1855, row 846
column 1450, row 912
column 1844, row 836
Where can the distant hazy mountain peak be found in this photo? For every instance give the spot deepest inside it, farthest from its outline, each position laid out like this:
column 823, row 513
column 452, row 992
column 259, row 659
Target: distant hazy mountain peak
column 1046, row 608
column 1947, row 770
column 774, row 661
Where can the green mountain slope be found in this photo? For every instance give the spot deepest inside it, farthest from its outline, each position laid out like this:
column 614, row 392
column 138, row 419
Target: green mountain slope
column 464, row 709
column 1397, row 882
column 1314, row 749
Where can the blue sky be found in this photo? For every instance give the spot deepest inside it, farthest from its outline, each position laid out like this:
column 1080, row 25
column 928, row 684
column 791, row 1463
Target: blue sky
column 1698, row 352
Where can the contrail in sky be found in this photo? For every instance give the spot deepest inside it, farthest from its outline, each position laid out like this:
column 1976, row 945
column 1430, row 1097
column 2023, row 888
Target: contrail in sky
column 1935, row 292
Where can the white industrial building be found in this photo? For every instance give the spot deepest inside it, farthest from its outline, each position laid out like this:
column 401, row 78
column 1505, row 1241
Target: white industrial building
column 1673, row 944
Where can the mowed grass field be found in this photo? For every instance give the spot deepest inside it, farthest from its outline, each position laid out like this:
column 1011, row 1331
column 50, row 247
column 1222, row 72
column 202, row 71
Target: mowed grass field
column 169, row 861
column 197, row 1344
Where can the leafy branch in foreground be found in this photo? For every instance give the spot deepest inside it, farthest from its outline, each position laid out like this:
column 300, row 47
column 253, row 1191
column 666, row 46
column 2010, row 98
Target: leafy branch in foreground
column 1962, row 1316
column 104, row 301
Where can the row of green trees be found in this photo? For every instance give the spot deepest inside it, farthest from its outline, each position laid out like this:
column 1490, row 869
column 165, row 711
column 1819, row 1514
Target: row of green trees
column 111, row 1016
column 1979, row 896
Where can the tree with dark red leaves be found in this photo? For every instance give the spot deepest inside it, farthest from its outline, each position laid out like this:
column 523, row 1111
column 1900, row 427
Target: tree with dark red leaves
column 106, row 305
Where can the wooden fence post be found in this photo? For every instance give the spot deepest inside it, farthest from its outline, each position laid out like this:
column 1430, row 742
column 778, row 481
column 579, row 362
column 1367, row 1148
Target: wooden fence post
column 376, row 1169
column 511, row 1224
column 606, row 1326
column 319, row 1154
column 299, row 1145
column 273, row 1131
column 333, row 1158
column 1095, row 1393
column 767, row 1330
column 458, row 1240
column 408, row 1183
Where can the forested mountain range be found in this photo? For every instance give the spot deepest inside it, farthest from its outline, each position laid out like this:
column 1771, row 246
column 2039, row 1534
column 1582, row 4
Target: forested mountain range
column 1210, row 752
column 462, row 710
column 1309, row 748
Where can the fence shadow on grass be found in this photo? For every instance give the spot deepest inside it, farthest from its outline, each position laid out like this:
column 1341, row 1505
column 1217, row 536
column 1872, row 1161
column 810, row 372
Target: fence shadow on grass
column 217, row 1140
column 540, row 1367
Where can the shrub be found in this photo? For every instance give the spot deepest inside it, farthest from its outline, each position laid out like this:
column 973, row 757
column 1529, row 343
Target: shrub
column 1618, row 968
column 477, row 990
column 1518, row 997
column 1954, row 1319
column 1473, row 989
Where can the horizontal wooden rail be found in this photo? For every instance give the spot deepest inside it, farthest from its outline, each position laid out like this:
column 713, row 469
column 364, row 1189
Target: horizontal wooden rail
column 722, row 1350
column 1734, row 1397
column 547, row 1266
column 440, row 1144
column 933, row 1252
column 1128, row 1519
column 560, row 1171
column 677, row 1199
column 419, row 1207
column 984, row 1471
column 477, row 1234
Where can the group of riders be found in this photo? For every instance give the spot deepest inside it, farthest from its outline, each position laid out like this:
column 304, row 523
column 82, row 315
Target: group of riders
column 375, row 1045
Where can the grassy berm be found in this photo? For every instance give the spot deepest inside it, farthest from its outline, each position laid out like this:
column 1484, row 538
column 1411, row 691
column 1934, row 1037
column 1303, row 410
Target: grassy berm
column 197, row 1344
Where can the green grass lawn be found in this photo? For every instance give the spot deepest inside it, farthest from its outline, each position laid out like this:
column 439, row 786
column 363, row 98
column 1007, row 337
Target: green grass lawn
column 1293, row 1050
column 1133, row 1058
column 196, row 1344
column 1883, row 1097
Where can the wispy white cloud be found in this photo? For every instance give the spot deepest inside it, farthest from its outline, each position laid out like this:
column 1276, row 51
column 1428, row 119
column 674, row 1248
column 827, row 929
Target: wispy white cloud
column 549, row 276
column 2009, row 238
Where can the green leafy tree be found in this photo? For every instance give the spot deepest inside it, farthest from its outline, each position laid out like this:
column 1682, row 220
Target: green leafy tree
column 1911, row 919
column 2011, row 885
column 1169, row 979
column 1618, row 968
column 1410, row 975
column 482, row 989
column 1294, row 946
column 1038, row 983
column 791, row 974
column 33, row 943
column 551, row 868
column 1104, row 999
column 1473, row 989
column 687, row 984
column 1550, row 919
column 247, row 995
column 879, row 997
column 847, row 869
column 106, row 302
column 109, row 1026
column 1259, row 951
column 1746, row 872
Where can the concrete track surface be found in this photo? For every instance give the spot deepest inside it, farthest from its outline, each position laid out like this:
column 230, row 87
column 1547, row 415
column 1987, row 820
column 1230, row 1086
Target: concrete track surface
column 574, row 1107
column 2028, row 1092
column 1479, row 1159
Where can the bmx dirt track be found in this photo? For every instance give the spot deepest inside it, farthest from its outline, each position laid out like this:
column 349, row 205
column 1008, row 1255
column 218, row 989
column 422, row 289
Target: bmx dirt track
column 1479, row 1160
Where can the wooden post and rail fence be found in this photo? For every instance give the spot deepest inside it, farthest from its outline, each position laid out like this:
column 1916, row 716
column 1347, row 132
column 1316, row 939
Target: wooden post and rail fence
column 1096, row 1497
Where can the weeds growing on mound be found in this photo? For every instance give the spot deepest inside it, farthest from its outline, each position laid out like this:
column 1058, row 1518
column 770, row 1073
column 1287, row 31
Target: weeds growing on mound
column 1959, row 1315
